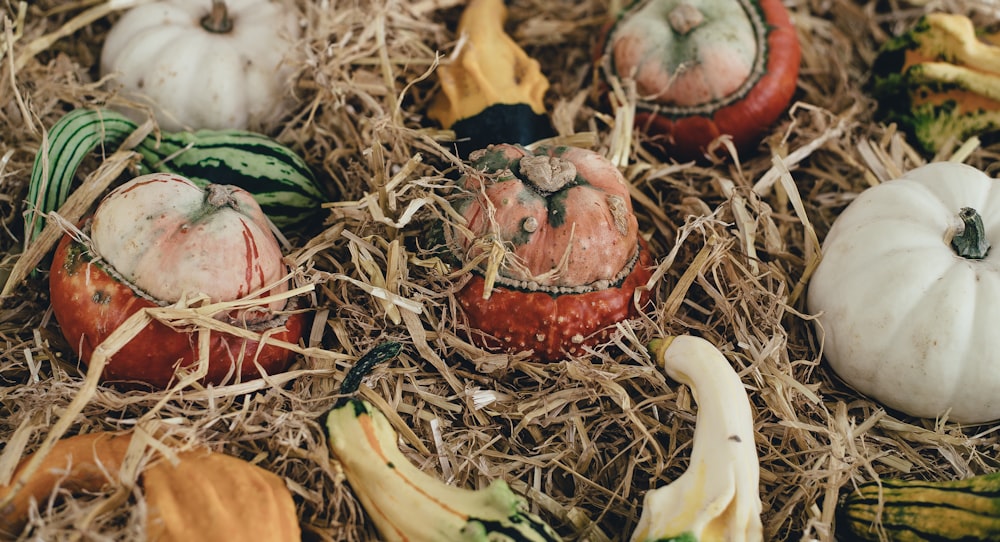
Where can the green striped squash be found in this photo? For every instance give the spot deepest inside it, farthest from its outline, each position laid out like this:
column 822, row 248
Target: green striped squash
column 920, row 511
column 280, row 180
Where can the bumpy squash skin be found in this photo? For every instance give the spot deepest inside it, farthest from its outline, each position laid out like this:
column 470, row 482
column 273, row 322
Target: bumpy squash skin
column 576, row 222
column 90, row 304
column 553, row 326
column 686, row 135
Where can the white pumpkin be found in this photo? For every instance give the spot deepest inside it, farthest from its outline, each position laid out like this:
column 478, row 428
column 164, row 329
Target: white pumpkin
column 907, row 320
column 205, row 64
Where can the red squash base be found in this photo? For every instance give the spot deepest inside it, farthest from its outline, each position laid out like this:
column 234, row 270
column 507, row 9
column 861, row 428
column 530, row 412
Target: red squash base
column 552, row 326
column 90, row 304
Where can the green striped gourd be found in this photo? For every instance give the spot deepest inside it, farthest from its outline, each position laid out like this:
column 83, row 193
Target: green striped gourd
column 919, row 511
column 280, row 181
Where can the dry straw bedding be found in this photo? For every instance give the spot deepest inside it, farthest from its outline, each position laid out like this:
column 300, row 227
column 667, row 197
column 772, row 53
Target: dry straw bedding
column 583, row 439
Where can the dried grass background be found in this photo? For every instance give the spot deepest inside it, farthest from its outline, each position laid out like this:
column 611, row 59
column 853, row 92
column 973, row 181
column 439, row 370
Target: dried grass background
column 582, row 439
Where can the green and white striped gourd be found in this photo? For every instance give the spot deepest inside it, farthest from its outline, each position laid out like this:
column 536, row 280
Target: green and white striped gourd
column 903, row 511
column 279, row 179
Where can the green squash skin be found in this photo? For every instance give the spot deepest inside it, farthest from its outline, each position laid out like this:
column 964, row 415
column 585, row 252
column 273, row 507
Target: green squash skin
column 895, row 89
column 281, row 181
column 923, row 511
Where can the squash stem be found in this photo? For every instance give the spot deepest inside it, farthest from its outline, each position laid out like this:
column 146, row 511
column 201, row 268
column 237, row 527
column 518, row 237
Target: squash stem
column 380, row 353
column 219, row 196
column 547, row 174
column 971, row 242
column 217, row 21
column 684, row 18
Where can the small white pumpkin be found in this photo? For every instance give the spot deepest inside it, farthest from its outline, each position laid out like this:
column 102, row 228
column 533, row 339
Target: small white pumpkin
column 906, row 307
column 205, row 64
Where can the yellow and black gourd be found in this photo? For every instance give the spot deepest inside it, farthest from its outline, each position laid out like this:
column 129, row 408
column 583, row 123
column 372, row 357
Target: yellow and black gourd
column 904, row 511
column 493, row 92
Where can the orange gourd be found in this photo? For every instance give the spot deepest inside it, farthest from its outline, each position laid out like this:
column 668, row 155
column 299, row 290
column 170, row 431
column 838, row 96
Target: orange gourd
column 202, row 496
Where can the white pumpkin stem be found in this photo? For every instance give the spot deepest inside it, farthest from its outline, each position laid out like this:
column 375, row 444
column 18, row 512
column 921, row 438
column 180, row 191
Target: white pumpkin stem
column 217, row 21
column 971, row 242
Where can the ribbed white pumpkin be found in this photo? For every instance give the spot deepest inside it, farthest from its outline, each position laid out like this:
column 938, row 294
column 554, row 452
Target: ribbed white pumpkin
column 196, row 78
column 906, row 319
